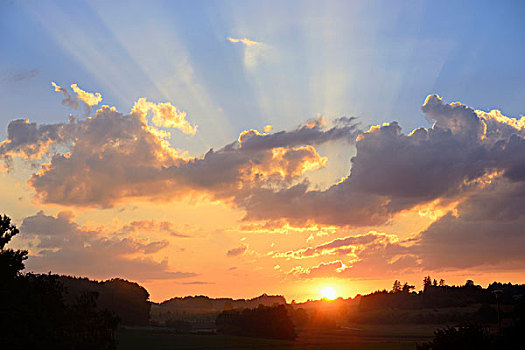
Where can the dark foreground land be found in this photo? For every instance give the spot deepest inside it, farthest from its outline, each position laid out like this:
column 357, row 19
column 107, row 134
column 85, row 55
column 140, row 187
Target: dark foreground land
column 366, row 337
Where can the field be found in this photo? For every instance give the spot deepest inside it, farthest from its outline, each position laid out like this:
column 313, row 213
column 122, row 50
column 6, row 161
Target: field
column 403, row 337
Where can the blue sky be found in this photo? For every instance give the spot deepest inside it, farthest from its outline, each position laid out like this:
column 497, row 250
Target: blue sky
column 375, row 60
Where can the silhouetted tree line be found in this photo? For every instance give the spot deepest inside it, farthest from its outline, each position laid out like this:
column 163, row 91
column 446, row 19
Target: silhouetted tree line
column 128, row 300
column 202, row 302
column 436, row 303
column 33, row 313
column 440, row 295
column 264, row 322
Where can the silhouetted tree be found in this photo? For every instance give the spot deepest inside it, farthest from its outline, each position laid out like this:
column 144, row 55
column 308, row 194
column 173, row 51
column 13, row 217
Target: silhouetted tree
column 427, row 282
column 11, row 261
column 396, row 287
column 469, row 283
column 33, row 314
column 407, row 288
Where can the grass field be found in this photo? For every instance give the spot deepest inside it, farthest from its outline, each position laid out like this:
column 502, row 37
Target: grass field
column 367, row 338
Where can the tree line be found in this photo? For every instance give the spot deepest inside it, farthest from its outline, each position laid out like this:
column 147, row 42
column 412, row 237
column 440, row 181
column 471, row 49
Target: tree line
column 61, row 312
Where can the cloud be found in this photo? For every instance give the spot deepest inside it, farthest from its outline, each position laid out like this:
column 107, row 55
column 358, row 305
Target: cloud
column 149, row 226
column 359, row 256
column 89, row 98
column 198, row 283
column 346, row 245
column 324, row 269
column 111, row 157
column 67, row 247
column 32, row 141
column 485, row 230
column 68, row 100
column 165, row 115
column 237, row 251
column 244, row 41
column 24, row 75
column 253, row 51
column 393, row 171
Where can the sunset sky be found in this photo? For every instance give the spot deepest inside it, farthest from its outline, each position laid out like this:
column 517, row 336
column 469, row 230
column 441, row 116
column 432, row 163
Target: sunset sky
column 234, row 148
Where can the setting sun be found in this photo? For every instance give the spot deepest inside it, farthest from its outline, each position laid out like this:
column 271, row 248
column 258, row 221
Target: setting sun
column 328, row 293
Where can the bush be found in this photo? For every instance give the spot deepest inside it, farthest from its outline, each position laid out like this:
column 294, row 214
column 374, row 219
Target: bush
column 466, row 337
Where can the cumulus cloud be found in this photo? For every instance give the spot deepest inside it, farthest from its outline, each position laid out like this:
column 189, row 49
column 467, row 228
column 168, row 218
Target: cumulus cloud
column 112, row 156
column 31, row 141
column 487, row 229
column 164, row 114
column 393, row 171
column 67, row 247
column 471, row 157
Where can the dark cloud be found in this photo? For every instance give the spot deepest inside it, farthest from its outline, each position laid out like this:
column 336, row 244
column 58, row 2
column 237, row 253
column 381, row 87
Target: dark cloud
column 68, row 100
column 487, row 229
column 32, row 141
column 198, row 283
column 147, row 226
column 313, row 133
column 66, row 247
column 112, row 157
column 237, row 251
column 393, row 171
column 21, row 76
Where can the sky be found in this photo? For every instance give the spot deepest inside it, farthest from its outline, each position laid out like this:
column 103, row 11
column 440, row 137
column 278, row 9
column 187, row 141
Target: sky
column 234, row 148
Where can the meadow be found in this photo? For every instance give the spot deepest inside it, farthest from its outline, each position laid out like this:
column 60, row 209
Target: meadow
column 366, row 337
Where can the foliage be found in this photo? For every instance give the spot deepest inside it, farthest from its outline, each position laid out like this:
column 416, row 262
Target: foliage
column 128, row 300
column 11, row 261
column 466, row 337
column 33, row 313
column 266, row 322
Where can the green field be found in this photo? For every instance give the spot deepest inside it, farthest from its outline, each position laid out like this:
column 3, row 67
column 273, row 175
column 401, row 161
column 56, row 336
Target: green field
column 367, row 338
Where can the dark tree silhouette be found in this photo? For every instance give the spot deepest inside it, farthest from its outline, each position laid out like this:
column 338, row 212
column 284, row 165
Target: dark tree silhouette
column 128, row 300
column 33, row 314
column 264, row 322
column 11, row 261
column 396, row 287
column 467, row 337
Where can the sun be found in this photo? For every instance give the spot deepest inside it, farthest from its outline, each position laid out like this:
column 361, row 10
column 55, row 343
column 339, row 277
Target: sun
column 328, row 293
